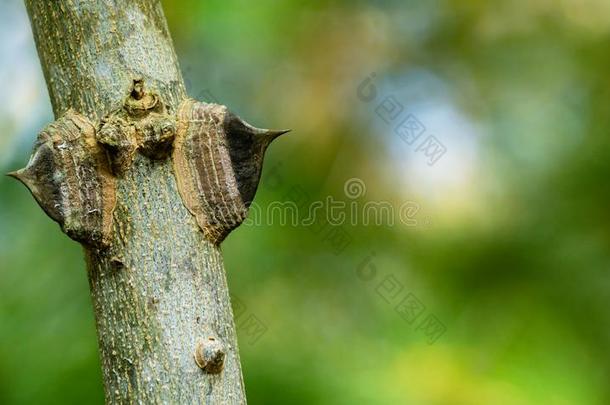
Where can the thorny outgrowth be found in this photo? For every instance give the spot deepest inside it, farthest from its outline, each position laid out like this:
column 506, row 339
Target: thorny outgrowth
column 217, row 160
column 69, row 176
column 217, row 163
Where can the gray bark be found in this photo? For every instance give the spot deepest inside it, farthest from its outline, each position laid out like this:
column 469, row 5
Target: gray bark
column 161, row 285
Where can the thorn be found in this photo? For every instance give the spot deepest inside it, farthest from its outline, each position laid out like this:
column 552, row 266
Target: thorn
column 266, row 132
column 274, row 133
column 239, row 126
column 267, row 135
column 17, row 174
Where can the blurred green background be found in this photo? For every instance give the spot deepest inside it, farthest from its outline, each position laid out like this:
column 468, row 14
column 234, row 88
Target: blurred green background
column 508, row 251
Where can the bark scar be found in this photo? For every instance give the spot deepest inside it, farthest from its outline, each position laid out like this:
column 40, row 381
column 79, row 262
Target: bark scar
column 141, row 125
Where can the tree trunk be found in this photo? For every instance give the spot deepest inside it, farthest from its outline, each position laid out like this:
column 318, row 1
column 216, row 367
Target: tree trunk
column 162, row 308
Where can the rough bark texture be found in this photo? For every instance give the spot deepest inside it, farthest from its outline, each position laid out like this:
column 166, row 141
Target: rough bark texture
column 160, row 287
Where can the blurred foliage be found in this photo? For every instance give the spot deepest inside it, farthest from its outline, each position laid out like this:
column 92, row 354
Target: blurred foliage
column 511, row 251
